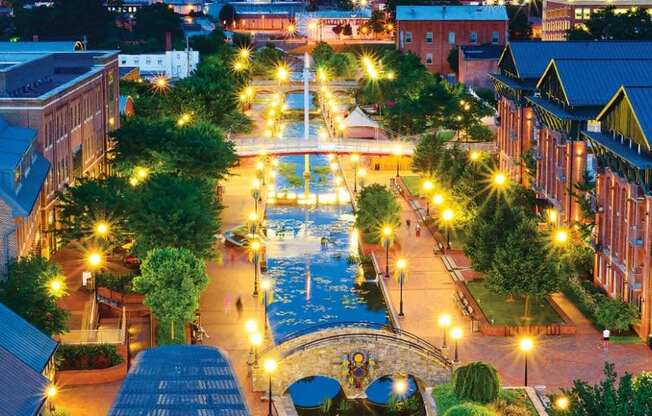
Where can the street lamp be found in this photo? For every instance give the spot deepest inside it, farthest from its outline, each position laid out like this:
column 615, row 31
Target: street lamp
column 526, row 345
column 266, row 285
column 427, row 188
column 255, row 247
column 355, row 158
column 456, row 334
column 253, row 219
column 400, row 386
column 474, row 156
column 387, row 236
column 562, row 403
column 250, row 328
column 50, row 393
column 437, row 199
column 447, row 216
column 244, row 53
column 561, row 237
column 256, row 341
column 282, row 73
column 444, row 322
column 398, row 151
column 101, row 229
column 270, row 367
column 362, row 172
column 499, row 180
column 552, row 215
column 400, row 275
column 255, row 192
column 57, row 286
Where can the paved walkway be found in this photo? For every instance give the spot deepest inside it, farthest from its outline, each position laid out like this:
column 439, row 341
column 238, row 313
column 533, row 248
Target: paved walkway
column 428, row 292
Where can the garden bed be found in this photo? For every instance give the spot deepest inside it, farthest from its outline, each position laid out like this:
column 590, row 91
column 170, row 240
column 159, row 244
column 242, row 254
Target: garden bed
column 90, row 364
column 509, row 400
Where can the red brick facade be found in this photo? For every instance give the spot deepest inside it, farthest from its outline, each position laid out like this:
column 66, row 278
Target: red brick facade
column 514, row 138
column 445, row 36
column 473, row 73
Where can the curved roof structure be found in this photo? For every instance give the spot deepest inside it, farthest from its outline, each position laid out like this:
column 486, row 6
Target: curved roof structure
column 180, row 380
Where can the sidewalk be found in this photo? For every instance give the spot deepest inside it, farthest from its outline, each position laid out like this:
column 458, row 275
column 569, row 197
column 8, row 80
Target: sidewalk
column 428, row 292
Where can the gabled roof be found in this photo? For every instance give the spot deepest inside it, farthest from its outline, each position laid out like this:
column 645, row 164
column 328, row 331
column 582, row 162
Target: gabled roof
column 180, row 379
column 22, row 340
column 451, row 12
column 14, row 142
column 22, row 388
column 592, row 82
column 358, row 118
column 532, row 57
column 640, row 101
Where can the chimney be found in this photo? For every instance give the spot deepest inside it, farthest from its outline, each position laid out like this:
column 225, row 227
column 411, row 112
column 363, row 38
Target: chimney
column 168, row 41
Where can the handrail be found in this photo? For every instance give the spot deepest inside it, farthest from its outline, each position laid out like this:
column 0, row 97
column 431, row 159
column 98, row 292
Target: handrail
column 427, row 349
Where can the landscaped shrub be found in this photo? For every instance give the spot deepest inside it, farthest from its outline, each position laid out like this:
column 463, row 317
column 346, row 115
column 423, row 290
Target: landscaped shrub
column 469, row 409
column 87, row 357
column 476, row 381
column 118, row 282
column 377, row 207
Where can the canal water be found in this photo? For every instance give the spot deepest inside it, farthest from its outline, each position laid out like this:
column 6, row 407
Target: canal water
column 315, row 282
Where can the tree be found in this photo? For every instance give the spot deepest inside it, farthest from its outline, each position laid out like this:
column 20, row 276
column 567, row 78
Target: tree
column 26, row 291
column 266, row 60
column 613, row 396
column 469, row 409
column 476, row 381
column 171, row 211
column 172, row 280
column 322, row 53
column 519, row 23
column 454, row 59
column 209, row 44
column 195, row 150
column 377, row 21
column 92, row 200
column 155, row 20
column 377, row 207
column 523, row 266
column 428, row 154
column 615, row 314
column 634, row 24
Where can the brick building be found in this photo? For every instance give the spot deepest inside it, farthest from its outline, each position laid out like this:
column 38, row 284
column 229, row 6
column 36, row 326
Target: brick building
column 562, row 15
column 476, row 63
column 570, row 93
column 69, row 102
column 621, row 140
column 519, row 68
column 432, row 31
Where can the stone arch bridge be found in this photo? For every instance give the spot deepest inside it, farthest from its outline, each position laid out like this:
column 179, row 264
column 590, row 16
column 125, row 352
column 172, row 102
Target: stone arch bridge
column 326, row 352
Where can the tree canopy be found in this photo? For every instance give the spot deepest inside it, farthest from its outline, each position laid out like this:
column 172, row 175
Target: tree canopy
column 26, row 292
column 155, row 20
column 377, row 207
column 606, row 24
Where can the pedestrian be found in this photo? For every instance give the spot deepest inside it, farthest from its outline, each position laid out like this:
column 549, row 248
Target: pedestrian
column 239, row 307
column 418, row 230
column 605, row 338
column 228, row 304
column 408, row 223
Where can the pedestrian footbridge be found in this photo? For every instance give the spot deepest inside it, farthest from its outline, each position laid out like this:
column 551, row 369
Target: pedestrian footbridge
column 356, row 355
column 254, row 147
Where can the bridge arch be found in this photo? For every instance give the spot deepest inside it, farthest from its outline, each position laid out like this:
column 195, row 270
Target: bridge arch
column 330, row 352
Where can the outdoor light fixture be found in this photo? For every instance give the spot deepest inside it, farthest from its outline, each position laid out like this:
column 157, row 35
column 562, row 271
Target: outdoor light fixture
column 525, row 345
column 95, row 258
column 141, row 173
column 499, row 179
column 561, row 236
column 562, row 403
column 456, row 334
column 444, row 322
column 438, row 199
column 101, row 229
column 474, row 156
column 400, row 386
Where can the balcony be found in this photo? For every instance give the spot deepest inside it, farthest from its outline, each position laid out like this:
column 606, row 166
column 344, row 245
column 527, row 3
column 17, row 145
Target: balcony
column 635, row 236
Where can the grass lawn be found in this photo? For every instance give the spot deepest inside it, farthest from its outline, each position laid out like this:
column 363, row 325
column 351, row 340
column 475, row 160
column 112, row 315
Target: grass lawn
column 500, row 312
column 625, row 339
column 445, row 399
column 413, row 183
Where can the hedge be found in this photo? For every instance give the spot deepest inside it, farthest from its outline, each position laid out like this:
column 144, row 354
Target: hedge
column 87, row 357
column 119, row 283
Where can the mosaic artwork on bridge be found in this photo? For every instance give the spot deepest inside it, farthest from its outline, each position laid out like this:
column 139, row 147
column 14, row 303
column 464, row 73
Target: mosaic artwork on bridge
column 357, row 368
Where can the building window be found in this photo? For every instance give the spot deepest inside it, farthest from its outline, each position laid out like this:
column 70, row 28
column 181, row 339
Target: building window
column 451, row 38
column 495, row 37
column 578, row 13
column 428, row 37
column 473, row 37
column 408, row 37
column 587, row 14
column 123, row 62
column 428, row 59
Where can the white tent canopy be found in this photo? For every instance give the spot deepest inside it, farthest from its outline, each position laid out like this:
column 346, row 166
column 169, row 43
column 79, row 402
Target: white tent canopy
column 358, row 118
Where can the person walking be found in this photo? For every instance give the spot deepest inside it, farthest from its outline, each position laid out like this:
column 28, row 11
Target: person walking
column 606, row 334
column 418, row 230
column 239, row 307
column 408, row 223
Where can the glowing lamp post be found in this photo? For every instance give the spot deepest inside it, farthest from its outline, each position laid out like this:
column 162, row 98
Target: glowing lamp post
column 456, row 334
column 255, row 248
column 427, row 188
column 250, row 328
column 387, row 237
column 398, row 151
column 525, row 345
column 94, row 259
column 253, row 219
column 445, row 322
column 474, row 156
column 270, row 367
column 401, row 264
column 266, row 285
column 255, row 192
column 355, row 158
column 57, row 286
column 447, row 216
column 101, row 229
column 562, row 403
column 256, row 341
column 50, row 393
column 561, row 237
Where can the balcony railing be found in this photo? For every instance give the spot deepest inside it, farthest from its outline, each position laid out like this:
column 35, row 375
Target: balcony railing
column 93, row 336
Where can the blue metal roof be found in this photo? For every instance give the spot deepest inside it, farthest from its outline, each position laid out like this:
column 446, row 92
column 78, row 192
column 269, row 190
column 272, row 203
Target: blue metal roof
column 67, row 46
column 641, row 100
column 558, row 111
column 22, row 388
column 24, row 341
column 451, row 12
column 180, row 380
column 592, row 82
column 479, row 52
column 631, row 156
column 532, row 57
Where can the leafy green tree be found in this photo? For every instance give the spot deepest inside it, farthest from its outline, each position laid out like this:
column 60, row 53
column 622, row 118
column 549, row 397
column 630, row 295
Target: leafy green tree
column 476, row 381
column 479, row 133
column 469, row 409
column 155, row 20
column 172, row 280
column 606, row 24
column 195, row 150
column 377, row 207
column 453, row 59
column 322, row 53
column 26, row 292
column 92, row 200
column 208, row 44
column 615, row 314
column 428, row 154
column 175, row 212
column 613, row 396
column 265, row 61
column 523, row 266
